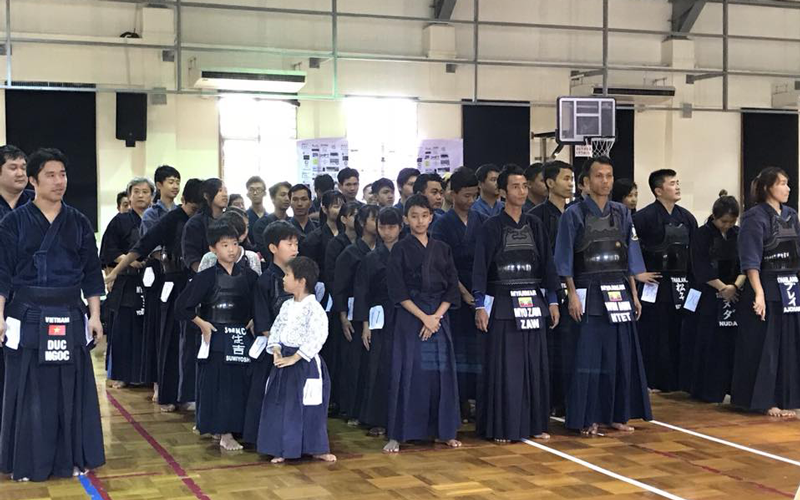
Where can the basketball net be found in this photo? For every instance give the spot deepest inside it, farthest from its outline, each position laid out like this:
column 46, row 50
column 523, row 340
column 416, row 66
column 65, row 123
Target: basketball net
column 601, row 146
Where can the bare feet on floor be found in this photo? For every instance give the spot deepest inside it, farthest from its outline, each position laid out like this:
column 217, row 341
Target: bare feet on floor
column 277, row 460
column 155, row 393
column 353, row 422
column 454, row 443
column 118, row 384
column 589, row 431
column 778, row 413
column 502, row 441
column 168, row 408
column 376, row 432
column 391, row 447
column 622, row 427
column 543, row 436
column 326, row 457
column 227, row 443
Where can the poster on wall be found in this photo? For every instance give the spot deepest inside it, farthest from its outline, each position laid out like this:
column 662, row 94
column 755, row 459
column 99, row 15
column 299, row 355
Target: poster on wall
column 440, row 155
column 321, row 156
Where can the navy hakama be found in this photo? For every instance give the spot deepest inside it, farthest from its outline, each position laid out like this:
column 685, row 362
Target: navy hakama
column 661, row 345
column 151, row 324
column 222, row 390
column 289, row 428
column 715, row 346
column 168, row 362
column 188, row 345
column 126, row 344
column 375, row 404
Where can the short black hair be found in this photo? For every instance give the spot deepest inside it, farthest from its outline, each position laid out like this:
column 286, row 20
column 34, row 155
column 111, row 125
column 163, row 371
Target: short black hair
column 483, row 171
column 219, row 230
column 390, row 216
column 254, row 180
column 657, row 178
column 363, row 215
column 622, row 188
column 508, row 170
column 299, row 187
column 273, row 190
column 463, row 177
column 552, row 169
column 164, row 172
column 304, row 268
column 405, row 174
column 534, row 170
column 323, row 183
column 416, row 200
column 192, row 191
column 586, row 169
column 278, row 231
column 233, row 197
column 381, row 183
column 235, row 218
column 40, row 157
column 421, row 184
column 9, row 152
column 120, row 196
column 345, row 174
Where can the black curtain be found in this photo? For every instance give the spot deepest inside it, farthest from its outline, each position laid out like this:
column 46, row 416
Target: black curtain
column 64, row 120
column 496, row 134
column 769, row 140
column 622, row 154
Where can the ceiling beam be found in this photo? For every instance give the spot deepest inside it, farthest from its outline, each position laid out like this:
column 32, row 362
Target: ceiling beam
column 443, row 9
column 685, row 13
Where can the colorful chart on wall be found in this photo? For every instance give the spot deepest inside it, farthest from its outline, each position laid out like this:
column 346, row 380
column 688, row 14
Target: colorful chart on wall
column 440, row 155
column 321, row 156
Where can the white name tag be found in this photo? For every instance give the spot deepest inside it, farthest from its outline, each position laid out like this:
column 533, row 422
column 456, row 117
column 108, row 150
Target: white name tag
column 350, row 309
column 205, row 347
column 581, row 292
column 258, row 346
column 488, row 302
column 692, row 299
column 376, row 318
column 319, row 291
column 13, row 329
column 649, row 292
column 312, row 390
column 87, row 330
column 166, row 291
column 149, row 277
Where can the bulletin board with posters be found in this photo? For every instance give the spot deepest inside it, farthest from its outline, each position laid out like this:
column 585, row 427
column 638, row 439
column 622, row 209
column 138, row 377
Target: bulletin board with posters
column 321, row 156
column 440, row 155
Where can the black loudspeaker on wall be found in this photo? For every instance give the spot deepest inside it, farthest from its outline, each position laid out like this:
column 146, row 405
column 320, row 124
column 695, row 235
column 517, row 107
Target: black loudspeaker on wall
column 131, row 118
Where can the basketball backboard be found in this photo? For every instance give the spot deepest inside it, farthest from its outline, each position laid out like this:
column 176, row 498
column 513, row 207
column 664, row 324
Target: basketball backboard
column 584, row 118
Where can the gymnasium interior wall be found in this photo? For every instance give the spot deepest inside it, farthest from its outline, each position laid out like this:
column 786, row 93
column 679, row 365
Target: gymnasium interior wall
column 704, row 147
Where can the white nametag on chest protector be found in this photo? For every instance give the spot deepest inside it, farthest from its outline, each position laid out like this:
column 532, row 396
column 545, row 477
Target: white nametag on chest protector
column 488, row 302
column 166, row 290
column 258, row 346
column 692, row 299
column 376, row 317
column 149, row 277
column 312, row 390
column 13, row 328
column 649, row 292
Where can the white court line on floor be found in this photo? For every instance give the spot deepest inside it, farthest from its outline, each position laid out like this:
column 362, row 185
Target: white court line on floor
column 727, row 443
column 638, row 484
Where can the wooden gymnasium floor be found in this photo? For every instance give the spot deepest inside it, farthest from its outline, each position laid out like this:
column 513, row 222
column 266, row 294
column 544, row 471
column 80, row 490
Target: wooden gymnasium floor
column 711, row 452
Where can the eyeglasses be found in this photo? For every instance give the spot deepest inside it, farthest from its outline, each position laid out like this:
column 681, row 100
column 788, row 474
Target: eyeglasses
column 256, row 190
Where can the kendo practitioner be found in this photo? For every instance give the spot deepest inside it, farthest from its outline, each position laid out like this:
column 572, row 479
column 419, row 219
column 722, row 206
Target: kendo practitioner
column 766, row 372
column 597, row 252
column 405, row 185
column 165, row 236
column 256, row 189
column 537, row 187
column 665, row 231
column 281, row 239
column 512, row 264
column 279, row 195
column 459, row 227
column 715, row 264
column 224, row 294
column 168, row 186
column 126, row 298
column 322, row 184
column 194, row 246
column 300, row 199
column 431, row 186
column 489, row 202
column 423, row 284
column 348, row 181
column 51, row 415
column 374, row 313
column 558, row 178
column 352, row 355
column 316, row 243
column 333, row 344
column 13, row 181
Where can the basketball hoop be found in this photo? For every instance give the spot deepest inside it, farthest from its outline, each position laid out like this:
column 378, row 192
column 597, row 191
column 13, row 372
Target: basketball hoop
column 601, row 146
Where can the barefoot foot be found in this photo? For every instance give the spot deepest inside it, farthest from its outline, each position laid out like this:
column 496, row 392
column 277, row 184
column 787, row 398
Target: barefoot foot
column 391, row 447
column 326, row 457
column 774, row 412
column 502, row 441
column 543, row 436
column 622, row 427
column 118, row 384
column 277, row 460
column 353, row 422
column 227, row 443
column 454, row 443
column 376, row 432
column 155, row 393
column 168, row 408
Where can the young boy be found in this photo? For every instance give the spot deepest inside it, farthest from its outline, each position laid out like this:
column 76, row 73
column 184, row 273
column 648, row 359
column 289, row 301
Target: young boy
column 295, row 410
column 423, row 281
column 224, row 294
column 281, row 238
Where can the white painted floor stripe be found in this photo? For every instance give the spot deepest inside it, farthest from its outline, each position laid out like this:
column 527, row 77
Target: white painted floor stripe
column 638, row 484
column 727, row 443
